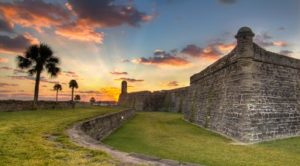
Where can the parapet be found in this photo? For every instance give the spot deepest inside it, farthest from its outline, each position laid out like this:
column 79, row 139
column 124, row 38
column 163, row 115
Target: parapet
column 246, row 48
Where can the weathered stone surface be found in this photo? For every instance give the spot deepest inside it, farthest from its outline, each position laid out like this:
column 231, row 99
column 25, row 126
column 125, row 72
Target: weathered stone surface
column 100, row 127
column 167, row 100
column 18, row 105
column 250, row 94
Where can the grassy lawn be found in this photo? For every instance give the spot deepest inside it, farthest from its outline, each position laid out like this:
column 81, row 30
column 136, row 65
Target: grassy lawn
column 37, row 138
column 166, row 135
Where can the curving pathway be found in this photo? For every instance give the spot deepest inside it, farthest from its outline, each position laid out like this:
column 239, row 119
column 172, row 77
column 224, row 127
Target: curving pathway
column 81, row 139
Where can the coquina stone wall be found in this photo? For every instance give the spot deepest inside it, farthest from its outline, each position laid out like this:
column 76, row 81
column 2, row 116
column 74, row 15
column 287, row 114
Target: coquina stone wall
column 249, row 95
column 18, row 105
column 100, row 127
column 166, row 100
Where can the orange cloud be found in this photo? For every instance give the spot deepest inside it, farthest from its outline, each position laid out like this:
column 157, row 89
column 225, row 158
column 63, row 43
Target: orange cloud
column 164, row 60
column 3, row 60
column 280, row 43
column 130, row 79
column 225, row 47
column 210, row 51
column 173, row 83
column 80, row 31
column 118, row 73
column 35, row 14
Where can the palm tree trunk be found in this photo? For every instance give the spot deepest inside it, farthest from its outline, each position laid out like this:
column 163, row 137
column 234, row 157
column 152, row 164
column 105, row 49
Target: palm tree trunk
column 73, row 104
column 72, row 95
column 36, row 89
column 56, row 95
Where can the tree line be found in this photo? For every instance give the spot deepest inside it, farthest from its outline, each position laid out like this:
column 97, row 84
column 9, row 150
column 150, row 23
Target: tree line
column 39, row 58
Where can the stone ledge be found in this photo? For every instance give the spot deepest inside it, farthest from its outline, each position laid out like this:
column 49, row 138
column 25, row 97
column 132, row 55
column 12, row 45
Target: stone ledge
column 100, row 127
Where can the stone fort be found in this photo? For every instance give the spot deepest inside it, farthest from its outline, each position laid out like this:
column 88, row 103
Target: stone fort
column 249, row 95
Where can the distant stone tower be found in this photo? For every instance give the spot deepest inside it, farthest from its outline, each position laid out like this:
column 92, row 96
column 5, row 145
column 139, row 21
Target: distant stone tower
column 244, row 39
column 123, row 95
column 124, row 87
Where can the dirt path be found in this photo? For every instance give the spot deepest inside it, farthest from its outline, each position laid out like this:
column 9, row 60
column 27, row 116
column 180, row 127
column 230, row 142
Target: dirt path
column 81, row 139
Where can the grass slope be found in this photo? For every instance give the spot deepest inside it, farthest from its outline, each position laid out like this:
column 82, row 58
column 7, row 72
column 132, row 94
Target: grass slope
column 37, row 138
column 167, row 135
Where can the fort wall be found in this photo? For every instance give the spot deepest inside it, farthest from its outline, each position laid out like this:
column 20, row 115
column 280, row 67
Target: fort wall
column 250, row 94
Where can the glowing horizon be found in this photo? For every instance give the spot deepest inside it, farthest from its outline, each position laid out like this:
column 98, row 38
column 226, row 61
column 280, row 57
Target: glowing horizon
column 153, row 45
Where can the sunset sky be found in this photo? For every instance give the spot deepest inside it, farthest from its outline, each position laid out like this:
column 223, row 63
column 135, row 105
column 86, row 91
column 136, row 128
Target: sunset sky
column 152, row 44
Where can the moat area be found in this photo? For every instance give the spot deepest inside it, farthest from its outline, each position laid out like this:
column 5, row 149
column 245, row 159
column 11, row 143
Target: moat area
column 167, row 135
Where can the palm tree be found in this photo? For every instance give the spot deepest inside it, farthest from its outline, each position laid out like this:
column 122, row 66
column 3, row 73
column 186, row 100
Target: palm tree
column 73, row 84
column 57, row 87
column 36, row 59
column 92, row 100
column 77, row 98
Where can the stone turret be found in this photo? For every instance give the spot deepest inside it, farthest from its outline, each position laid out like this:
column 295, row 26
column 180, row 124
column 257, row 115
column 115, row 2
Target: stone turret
column 244, row 39
column 124, row 87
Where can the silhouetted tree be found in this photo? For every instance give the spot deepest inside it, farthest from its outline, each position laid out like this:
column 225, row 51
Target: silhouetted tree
column 57, row 87
column 92, row 100
column 77, row 98
column 36, row 59
column 73, row 85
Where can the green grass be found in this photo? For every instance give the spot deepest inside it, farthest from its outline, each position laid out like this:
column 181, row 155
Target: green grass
column 167, row 135
column 38, row 138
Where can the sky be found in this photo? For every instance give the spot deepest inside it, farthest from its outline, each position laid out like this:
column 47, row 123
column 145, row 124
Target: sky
column 151, row 44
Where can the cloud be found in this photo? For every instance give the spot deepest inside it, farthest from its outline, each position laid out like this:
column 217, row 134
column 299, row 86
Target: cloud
column 34, row 13
column 3, row 60
column 5, row 26
column 31, row 78
column 286, row 52
column 19, row 71
column 88, row 92
column 227, row 1
column 264, row 40
column 192, row 50
column 76, row 20
column 225, row 47
column 5, row 91
column 279, row 43
column 174, row 58
column 5, row 68
column 94, row 14
column 16, row 71
column 17, row 44
column 173, row 83
column 130, row 79
column 212, row 51
column 162, row 58
column 7, row 84
column 104, row 94
column 70, row 74
column 126, row 61
column 80, row 31
column 118, row 73
column 266, row 36
column 106, row 13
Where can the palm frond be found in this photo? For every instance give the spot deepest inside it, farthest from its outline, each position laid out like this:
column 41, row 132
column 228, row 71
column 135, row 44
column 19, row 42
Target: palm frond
column 31, row 72
column 73, row 84
column 53, row 71
column 23, row 62
column 32, row 52
column 53, row 60
column 57, row 87
column 45, row 52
